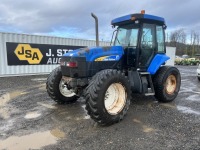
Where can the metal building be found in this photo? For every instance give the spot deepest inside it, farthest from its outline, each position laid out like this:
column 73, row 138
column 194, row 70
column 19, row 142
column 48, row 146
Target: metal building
column 23, row 54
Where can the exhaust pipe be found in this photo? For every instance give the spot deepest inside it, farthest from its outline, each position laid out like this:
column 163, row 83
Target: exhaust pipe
column 96, row 28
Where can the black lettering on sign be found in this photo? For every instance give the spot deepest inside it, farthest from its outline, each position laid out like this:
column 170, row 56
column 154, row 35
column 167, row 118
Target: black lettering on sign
column 28, row 54
column 35, row 56
column 22, row 51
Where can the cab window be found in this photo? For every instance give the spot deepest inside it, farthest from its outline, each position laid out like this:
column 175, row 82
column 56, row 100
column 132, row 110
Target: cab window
column 127, row 36
column 160, row 39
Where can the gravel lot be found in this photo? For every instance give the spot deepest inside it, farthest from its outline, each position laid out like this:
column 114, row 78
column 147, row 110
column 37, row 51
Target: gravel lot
column 29, row 119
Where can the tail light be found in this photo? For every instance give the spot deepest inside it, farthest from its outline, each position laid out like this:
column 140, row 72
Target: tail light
column 72, row 64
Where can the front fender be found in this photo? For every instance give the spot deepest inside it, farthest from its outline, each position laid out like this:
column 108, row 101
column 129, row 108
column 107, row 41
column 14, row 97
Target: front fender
column 157, row 61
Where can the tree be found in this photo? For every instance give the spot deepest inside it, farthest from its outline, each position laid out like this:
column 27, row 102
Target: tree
column 178, row 40
column 194, row 42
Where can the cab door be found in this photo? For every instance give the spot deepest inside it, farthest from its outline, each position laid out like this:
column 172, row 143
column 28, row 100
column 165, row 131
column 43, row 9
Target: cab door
column 147, row 45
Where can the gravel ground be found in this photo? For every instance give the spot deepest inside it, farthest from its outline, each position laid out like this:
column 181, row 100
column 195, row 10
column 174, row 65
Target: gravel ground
column 29, row 119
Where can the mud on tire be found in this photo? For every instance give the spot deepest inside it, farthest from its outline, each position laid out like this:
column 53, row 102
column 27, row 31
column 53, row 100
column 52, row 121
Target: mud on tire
column 167, row 83
column 53, row 86
column 108, row 97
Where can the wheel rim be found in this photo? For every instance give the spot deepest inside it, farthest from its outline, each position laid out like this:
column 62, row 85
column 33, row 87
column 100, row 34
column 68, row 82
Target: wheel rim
column 171, row 84
column 115, row 98
column 64, row 91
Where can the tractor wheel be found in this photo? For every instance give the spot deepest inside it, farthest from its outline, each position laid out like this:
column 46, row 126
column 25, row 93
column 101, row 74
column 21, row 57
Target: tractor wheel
column 57, row 90
column 167, row 83
column 108, row 97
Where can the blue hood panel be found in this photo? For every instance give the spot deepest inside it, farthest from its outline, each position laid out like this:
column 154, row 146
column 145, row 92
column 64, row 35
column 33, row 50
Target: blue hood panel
column 93, row 53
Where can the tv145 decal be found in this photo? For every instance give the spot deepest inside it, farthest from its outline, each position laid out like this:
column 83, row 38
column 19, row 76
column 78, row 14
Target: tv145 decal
column 36, row 54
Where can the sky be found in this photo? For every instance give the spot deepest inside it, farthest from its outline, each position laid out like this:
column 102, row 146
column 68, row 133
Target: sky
column 72, row 19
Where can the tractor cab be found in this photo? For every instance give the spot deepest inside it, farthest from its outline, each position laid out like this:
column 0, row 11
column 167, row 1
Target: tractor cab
column 142, row 37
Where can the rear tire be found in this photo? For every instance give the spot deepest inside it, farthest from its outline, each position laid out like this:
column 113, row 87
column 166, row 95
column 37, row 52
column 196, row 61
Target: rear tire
column 108, row 97
column 57, row 90
column 167, row 83
column 198, row 78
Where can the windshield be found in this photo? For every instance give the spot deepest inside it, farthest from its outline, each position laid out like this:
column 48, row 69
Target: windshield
column 127, row 36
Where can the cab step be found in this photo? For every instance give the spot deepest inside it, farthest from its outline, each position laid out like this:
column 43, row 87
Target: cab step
column 147, row 84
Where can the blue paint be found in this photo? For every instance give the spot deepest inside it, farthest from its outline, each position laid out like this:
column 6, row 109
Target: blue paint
column 121, row 19
column 138, row 17
column 95, row 52
column 146, row 16
column 157, row 61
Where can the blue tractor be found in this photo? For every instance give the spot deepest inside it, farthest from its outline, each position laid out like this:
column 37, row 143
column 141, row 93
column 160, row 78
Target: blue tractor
column 107, row 76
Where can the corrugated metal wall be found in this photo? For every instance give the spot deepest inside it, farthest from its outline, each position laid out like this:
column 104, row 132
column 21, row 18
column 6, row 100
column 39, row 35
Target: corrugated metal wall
column 6, row 70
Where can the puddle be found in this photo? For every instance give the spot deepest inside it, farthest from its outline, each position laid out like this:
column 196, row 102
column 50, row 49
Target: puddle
column 187, row 110
column 57, row 133
column 189, row 87
column 6, row 126
column 78, row 118
column 83, row 106
column 184, row 80
column 32, row 115
column 9, row 96
column 186, row 90
column 136, row 121
column 168, row 106
column 86, row 115
column 186, row 74
column 31, row 141
column 193, row 98
column 4, row 99
column 147, row 129
column 46, row 105
column 4, row 113
column 42, row 87
column 39, row 79
column 151, row 104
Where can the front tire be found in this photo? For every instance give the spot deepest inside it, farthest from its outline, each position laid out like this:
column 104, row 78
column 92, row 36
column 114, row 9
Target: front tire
column 108, row 97
column 167, row 83
column 57, row 90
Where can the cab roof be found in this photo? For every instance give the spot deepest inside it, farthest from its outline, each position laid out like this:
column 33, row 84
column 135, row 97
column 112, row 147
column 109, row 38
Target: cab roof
column 134, row 17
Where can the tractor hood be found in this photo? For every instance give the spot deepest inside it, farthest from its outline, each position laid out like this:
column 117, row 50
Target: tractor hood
column 107, row 53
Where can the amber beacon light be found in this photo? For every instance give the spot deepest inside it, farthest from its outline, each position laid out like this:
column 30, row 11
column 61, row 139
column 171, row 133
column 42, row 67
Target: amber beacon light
column 142, row 11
